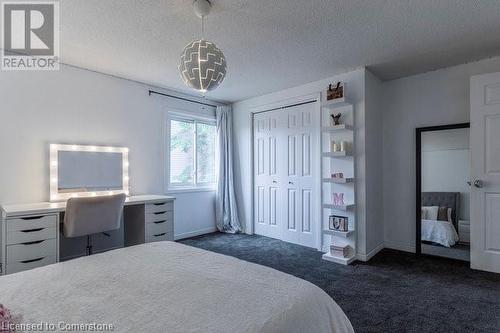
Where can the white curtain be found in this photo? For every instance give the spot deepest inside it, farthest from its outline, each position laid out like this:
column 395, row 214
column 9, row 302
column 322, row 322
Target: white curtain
column 226, row 211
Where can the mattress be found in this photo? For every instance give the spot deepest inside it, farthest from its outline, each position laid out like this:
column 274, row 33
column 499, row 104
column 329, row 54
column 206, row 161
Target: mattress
column 169, row 287
column 440, row 232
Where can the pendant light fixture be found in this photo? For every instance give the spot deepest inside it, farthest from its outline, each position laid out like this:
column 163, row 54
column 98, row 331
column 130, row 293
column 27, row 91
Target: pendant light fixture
column 203, row 65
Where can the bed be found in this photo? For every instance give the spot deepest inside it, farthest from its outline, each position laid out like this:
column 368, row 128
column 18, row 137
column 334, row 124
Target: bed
column 170, row 287
column 437, row 231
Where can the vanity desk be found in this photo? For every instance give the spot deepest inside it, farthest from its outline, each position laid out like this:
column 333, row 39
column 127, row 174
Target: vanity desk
column 30, row 235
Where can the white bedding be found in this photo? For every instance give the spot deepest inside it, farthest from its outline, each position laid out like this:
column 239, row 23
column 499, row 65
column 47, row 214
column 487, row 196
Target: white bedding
column 441, row 232
column 170, row 287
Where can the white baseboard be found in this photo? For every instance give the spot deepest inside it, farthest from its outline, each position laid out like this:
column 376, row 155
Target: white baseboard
column 395, row 245
column 369, row 255
column 195, row 233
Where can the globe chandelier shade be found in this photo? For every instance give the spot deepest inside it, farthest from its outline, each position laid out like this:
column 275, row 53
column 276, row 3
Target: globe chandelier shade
column 203, row 65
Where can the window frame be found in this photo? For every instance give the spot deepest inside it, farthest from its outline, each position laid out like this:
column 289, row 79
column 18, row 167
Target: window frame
column 186, row 116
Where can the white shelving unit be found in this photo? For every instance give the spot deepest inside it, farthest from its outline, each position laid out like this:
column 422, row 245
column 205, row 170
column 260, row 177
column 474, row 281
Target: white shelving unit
column 335, row 162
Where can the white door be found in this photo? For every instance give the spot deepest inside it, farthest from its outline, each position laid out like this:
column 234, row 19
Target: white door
column 301, row 158
column 485, row 172
column 285, row 162
column 266, row 191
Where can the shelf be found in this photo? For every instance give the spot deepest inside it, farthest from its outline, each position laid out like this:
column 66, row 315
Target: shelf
column 336, row 103
column 339, row 207
column 338, row 180
column 338, row 260
column 337, row 128
column 336, row 154
column 344, row 234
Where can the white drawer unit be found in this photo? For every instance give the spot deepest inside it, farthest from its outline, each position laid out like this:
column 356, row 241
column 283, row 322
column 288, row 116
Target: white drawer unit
column 29, row 242
column 157, row 223
column 159, row 227
column 30, row 233
column 160, row 207
column 29, row 264
column 159, row 216
column 164, row 236
column 31, row 251
column 31, row 222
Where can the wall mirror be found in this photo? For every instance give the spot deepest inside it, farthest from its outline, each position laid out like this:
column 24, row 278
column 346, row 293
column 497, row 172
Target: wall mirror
column 443, row 191
column 85, row 171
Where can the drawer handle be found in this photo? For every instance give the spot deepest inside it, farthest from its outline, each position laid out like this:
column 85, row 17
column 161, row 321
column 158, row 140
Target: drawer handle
column 32, row 230
column 162, row 234
column 159, row 213
column 34, row 242
column 160, row 204
column 160, row 222
column 31, row 218
column 32, row 260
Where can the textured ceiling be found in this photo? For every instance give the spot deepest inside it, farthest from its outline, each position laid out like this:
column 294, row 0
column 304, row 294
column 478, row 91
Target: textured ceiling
column 276, row 44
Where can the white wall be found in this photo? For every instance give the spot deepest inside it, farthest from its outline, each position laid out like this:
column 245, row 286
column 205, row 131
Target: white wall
column 84, row 107
column 446, row 165
column 374, row 174
column 242, row 122
column 435, row 98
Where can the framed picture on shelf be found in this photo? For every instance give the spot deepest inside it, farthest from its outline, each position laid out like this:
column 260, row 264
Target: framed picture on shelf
column 338, row 223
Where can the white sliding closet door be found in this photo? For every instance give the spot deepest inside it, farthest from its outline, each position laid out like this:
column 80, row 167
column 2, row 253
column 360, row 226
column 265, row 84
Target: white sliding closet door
column 286, row 157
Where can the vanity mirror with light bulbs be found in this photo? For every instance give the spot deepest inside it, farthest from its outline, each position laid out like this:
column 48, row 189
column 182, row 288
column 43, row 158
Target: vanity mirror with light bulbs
column 85, row 171
column 30, row 234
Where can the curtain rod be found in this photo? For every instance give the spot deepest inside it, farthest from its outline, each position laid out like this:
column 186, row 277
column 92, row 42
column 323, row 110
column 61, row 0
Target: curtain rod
column 181, row 98
column 289, row 106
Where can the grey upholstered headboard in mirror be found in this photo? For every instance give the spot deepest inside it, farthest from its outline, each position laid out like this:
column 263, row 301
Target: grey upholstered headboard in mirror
column 444, row 199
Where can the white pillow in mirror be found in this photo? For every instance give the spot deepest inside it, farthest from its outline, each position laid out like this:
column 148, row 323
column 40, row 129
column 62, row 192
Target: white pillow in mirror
column 423, row 214
column 431, row 212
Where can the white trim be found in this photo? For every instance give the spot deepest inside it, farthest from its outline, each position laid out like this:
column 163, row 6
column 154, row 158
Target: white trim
column 395, row 245
column 195, row 233
column 191, row 190
column 54, row 170
column 369, row 255
column 188, row 116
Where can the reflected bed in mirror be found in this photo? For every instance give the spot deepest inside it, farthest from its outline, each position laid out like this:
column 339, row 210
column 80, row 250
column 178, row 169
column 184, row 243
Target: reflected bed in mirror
column 83, row 171
column 443, row 162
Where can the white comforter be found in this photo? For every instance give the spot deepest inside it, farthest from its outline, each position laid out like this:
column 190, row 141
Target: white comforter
column 170, row 287
column 441, row 232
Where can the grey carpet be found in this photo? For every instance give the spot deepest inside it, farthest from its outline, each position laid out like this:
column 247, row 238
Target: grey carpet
column 393, row 292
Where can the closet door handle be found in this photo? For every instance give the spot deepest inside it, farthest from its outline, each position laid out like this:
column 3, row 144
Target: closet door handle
column 159, row 235
column 160, row 222
column 159, row 213
column 478, row 183
column 275, row 182
column 291, row 183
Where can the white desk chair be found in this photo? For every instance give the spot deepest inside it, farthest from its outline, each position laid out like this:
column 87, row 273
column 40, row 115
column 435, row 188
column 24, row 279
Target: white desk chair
column 89, row 216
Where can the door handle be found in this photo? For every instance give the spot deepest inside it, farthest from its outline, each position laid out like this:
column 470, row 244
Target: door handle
column 291, row 183
column 478, row 183
column 275, row 182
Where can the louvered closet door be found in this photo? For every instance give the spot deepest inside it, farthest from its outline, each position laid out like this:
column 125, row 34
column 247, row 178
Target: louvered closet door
column 267, row 215
column 301, row 156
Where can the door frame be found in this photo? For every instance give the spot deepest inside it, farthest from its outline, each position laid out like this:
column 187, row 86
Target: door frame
column 418, row 183
column 283, row 104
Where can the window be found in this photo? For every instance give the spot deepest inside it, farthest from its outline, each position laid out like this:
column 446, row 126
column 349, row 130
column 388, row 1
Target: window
column 192, row 153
